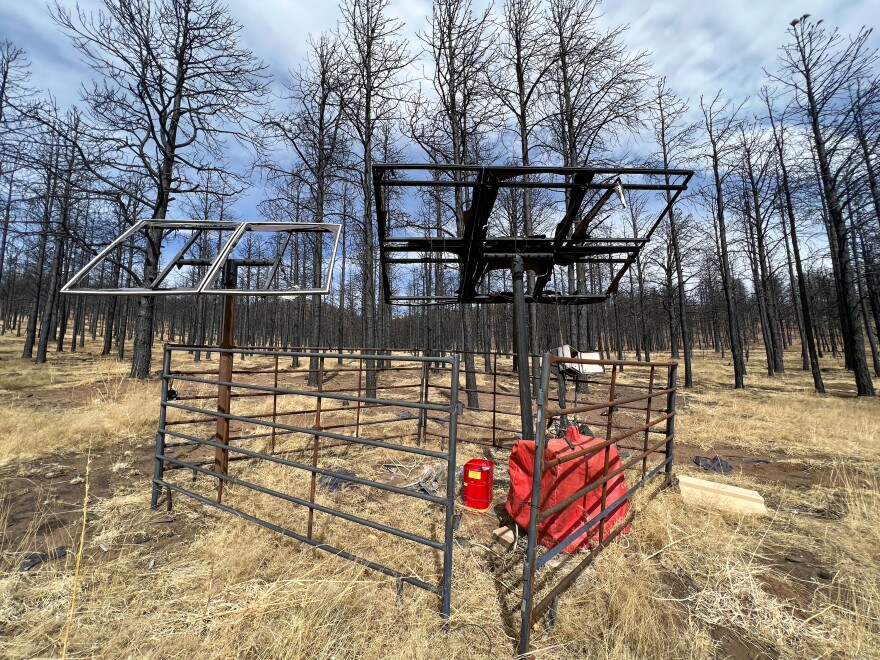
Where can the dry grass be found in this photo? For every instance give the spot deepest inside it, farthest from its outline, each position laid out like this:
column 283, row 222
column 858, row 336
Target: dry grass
column 688, row 582
column 67, row 403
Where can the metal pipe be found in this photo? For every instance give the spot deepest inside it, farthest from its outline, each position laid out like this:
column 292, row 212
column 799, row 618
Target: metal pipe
column 611, row 393
column 315, row 449
column 670, row 422
column 451, row 480
column 160, row 431
column 648, row 419
column 274, row 407
column 522, row 343
column 534, row 507
column 224, row 375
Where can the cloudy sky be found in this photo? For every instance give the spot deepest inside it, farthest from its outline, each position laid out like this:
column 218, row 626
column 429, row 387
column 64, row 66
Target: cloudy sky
column 700, row 46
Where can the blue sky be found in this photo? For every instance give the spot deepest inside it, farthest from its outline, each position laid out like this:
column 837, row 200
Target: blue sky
column 700, row 47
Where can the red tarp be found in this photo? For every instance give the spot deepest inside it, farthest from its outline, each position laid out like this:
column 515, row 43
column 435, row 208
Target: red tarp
column 562, row 481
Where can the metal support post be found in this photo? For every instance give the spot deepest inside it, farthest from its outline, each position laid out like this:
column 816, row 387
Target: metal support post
column 159, row 467
column 224, row 375
column 451, row 480
column 315, row 448
column 670, row 423
column 522, row 352
column 530, row 565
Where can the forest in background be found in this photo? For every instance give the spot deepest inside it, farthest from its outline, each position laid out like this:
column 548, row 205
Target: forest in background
column 775, row 245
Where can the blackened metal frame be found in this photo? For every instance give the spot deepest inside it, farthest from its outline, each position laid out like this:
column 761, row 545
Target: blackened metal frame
column 165, row 461
column 475, row 253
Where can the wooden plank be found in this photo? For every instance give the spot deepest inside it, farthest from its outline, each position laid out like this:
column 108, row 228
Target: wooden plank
column 723, row 496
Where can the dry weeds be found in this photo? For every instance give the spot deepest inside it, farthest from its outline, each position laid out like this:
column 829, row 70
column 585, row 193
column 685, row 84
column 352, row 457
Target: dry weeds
column 689, row 582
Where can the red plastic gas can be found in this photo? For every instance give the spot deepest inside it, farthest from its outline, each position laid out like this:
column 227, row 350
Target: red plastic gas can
column 477, row 491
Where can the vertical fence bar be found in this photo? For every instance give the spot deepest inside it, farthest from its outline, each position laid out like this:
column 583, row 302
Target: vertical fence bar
column 159, row 466
column 648, row 421
column 494, row 396
column 421, row 433
column 357, row 414
column 611, row 392
column 315, row 446
column 534, row 508
column 274, row 407
column 522, row 356
column 451, row 480
column 224, row 392
column 670, row 423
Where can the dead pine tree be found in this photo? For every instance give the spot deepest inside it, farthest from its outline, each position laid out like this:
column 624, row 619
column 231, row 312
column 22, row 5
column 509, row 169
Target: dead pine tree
column 525, row 58
column 778, row 126
column 675, row 137
column 720, row 125
column 759, row 196
column 15, row 99
column 461, row 48
column 595, row 94
column 172, row 83
column 313, row 129
column 819, row 68
column 376, row 56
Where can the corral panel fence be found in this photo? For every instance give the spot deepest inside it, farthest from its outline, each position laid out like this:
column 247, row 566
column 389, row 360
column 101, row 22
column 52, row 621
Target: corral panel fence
column 332, row 460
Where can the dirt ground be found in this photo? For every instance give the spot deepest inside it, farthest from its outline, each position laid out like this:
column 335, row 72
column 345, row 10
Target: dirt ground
column 689, row 581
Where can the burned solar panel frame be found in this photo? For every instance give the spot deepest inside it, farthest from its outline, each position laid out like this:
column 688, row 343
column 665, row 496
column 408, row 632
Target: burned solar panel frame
column 475, row 253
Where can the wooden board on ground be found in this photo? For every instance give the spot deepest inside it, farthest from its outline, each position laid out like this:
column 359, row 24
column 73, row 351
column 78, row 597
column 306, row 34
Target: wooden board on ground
column 721, row 495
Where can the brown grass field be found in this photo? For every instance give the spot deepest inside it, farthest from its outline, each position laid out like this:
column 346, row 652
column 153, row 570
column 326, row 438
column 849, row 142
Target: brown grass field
column 688, row 582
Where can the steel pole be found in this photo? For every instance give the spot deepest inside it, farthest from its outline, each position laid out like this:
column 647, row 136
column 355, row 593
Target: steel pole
column 671, row 384
column 529, row 567
column 159, row 466
column 451, row 481
column 224, row 375
column 521, row 330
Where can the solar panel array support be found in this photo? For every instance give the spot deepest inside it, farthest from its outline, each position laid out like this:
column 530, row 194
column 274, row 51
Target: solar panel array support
column 475, row 253
column 219, row 277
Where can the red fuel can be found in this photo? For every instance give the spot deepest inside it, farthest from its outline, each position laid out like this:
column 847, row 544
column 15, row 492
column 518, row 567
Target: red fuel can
column 477, row 477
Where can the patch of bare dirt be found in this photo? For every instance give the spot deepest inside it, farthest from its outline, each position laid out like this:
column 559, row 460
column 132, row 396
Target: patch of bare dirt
column 45, row 498
column 771, row 467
